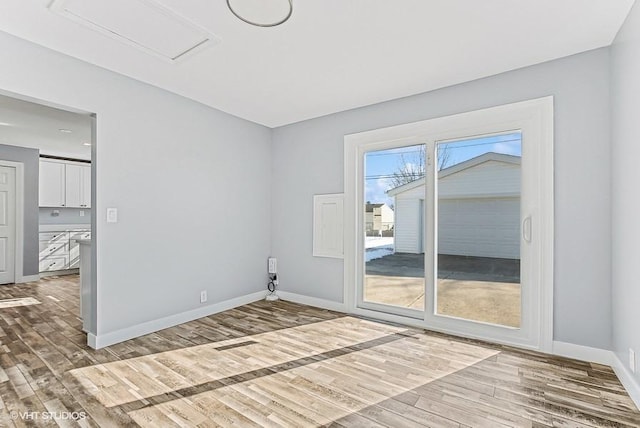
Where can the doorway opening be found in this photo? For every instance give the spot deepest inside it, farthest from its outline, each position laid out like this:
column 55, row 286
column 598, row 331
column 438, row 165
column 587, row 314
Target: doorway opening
column 53, row 150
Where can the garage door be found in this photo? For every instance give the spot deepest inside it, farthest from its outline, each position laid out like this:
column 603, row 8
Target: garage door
column 480, row 227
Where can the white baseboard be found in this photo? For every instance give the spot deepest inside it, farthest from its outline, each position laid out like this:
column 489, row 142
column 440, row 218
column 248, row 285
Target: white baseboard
column 312, row 301
column 626, row 378
column 102, row 340
column 92, row 340
column 27, row 278
column 62, row 272
column 601, row 356
column 583, row 353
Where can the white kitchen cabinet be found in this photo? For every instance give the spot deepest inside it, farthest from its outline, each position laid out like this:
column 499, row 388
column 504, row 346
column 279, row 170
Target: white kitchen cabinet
column 85, row 191
column 54, row 263
column 52, row 184
column 73, row 185
column 65, row 184
column 60, row 250
column 54, row 251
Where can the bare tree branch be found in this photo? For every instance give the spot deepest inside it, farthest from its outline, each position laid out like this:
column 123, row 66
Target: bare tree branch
column 412, row 168
column 444, row 156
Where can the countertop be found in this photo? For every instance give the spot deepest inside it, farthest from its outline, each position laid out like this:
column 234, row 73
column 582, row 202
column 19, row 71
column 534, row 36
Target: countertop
column 63, row 227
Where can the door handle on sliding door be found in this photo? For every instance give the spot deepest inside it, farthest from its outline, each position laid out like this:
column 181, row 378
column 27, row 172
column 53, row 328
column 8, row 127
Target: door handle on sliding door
column 526, row 229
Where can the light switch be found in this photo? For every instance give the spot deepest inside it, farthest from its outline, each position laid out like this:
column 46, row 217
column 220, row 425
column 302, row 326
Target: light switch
column 112, row 215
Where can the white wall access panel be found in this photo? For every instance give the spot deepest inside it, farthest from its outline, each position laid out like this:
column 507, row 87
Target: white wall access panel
column 328, row 226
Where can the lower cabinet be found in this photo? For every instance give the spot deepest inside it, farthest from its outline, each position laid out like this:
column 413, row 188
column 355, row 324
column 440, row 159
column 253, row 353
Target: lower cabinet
column 53, row 263
column 60, row 250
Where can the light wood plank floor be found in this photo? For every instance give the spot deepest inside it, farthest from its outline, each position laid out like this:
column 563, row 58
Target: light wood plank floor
column 282, row 364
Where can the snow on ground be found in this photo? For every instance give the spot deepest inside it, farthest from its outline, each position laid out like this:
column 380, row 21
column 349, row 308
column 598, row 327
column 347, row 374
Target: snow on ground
column 377, row 247
column 374, row 241
column 378, row 252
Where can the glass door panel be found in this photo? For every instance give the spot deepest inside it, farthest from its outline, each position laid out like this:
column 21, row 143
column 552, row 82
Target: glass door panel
column 478, row 233
column 393, row 231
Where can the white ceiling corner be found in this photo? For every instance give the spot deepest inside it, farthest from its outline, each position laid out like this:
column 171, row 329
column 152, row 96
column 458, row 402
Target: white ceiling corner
column 331, row 55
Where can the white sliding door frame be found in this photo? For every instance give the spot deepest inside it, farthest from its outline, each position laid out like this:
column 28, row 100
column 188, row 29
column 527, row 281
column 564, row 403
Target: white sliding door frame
column 534, row 118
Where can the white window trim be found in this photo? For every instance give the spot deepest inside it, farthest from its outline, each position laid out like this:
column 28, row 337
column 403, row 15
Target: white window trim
column 537, row 116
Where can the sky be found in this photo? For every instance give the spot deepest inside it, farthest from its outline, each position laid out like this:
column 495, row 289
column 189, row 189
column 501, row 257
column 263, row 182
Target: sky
column 381, row 165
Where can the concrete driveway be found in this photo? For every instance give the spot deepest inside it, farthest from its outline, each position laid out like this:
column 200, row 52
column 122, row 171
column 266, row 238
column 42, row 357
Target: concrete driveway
column 455, row 267
column 475, row 288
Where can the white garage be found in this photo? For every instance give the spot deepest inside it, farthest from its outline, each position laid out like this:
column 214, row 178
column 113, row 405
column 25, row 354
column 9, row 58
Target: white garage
column 478, row 207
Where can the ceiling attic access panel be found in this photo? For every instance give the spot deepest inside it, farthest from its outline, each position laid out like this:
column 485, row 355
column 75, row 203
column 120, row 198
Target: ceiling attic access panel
column 143, row 24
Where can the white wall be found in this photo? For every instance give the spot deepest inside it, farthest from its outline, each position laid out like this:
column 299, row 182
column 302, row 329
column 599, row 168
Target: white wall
column 188, row 181
column 308, row 159
column 408, row 226
column 479, row 227
column 625, row 195
column 492, row 178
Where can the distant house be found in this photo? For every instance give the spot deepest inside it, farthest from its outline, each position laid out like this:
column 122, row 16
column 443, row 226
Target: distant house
column 478, row 209
column 378, row 217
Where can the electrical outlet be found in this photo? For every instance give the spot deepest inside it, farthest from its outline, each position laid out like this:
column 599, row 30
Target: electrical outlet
column 273, row 265
column 632, row 360
column 81, row 213
column 203, row 296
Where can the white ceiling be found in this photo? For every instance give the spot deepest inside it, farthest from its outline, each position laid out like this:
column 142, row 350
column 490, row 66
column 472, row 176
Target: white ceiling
column 27, row 124
column 332, row 55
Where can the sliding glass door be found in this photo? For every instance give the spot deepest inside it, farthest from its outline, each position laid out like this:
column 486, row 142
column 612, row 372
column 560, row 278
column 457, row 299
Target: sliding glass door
column 475, row 249
column 477, row 222
column 452, row 217
column 393, row 258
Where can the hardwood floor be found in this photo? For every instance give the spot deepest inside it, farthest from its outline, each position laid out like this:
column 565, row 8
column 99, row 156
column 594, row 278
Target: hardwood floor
column 282, row 364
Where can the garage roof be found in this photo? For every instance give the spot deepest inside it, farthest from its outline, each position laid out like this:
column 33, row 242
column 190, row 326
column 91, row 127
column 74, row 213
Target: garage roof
column 473, row 162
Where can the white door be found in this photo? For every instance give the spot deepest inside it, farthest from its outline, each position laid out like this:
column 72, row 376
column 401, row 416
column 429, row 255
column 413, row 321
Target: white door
column 7, row 224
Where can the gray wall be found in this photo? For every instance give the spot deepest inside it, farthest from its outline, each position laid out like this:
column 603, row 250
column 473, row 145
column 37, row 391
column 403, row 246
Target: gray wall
column 188, row 181
column 160, row 158
column 30, row 159
column 625, row 150
column 308, row 159
column 65, row 216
